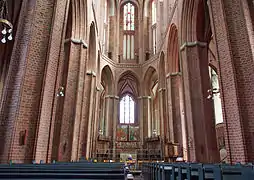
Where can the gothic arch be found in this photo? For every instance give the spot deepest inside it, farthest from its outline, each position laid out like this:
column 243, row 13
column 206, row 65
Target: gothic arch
column 79, row 18
column 195, row 22
column 107, row 79
column 162, row 76
column 173, row 50
column 136, row 3
column 128, row 83
column 150, row 79
column 91, row 62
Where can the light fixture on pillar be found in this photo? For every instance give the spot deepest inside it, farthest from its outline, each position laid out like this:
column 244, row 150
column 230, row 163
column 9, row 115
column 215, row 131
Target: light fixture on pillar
column 154, row 132
column 100, row 132
column 6, row 26
column 60, row 91
column 211, row 92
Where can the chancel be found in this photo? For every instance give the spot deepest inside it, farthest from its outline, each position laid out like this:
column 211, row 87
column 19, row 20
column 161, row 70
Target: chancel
column 99, row 81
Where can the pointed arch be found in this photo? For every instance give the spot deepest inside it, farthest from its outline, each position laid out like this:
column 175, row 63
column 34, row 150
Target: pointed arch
column 150, row 80
column 128, row 83
column 107, row 79
column 173, row 64
column 195, row 21
column 162, row 76
column 91, row 62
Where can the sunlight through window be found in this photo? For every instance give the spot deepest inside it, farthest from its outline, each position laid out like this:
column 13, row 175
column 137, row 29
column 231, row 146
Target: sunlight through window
column 127, row 109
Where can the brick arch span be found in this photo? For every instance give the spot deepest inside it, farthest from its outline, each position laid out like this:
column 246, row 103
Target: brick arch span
column 91, row 62
column 150, row 79
column 79, row 16
column 107, row 79
column 128, row 82
column 162, row 74
column 195, row 22
column 173, row 51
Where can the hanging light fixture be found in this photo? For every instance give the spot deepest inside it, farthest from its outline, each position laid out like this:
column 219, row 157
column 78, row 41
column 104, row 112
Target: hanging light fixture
column 6, row 26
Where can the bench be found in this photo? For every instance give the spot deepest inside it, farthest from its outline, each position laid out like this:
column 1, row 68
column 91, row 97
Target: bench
column 196, row 171
column 63, row 171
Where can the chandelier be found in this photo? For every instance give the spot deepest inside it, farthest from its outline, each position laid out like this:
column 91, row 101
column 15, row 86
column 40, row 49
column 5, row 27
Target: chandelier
column 6, row 26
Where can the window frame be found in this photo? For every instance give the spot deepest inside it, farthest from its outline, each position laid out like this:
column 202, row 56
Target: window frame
column 130, row 55
column 135, row 110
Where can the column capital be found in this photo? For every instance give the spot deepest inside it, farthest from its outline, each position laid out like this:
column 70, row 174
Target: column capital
column 91, row 73
column 77, row 41
column 192, row 44
column 144, row 97
column 173, row 74
column 112, row 96
column 162, row 89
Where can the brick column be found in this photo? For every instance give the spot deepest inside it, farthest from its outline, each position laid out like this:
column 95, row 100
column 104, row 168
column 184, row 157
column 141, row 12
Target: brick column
column 90, row 115
column 46, row 120
column 147, row 122
column 109, row 106
column 162, row 112
column 25, row 80
column 85, row 125
column 115, row 122
column 237, row 77
column 170, row 125
column 70, row 100
column 199, row 111
column 176, row 110
column 11, row 93
column 78, row 107
column 96, row 120
column 141, row 120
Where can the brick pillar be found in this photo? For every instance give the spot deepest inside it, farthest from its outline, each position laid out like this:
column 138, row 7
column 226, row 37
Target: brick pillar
column 199, row 111
column 26, row 77
column 70, row 100
column 237, row 77
column 10, row 97
column 95, row 124
column 78, row 106
column 170, row 124
column 147, row 122
column 83, row 136
column 109, row 106
column 141, row 120
column 162, row 117
column 115, row 122
column 176, row 110
column 90, row 114
column 46, row 120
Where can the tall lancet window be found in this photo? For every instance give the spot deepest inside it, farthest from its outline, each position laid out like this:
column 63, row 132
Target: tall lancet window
column 127, row 110
column 129, row 31
column 105, row 27
column 154, row 21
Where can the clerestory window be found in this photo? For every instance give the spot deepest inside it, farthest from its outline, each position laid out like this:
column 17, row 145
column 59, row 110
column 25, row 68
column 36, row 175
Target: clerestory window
column 154, row 21
column 129, row 31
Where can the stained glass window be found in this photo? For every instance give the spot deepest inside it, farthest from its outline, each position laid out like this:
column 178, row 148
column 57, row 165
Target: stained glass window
column 129, row 14
column 127, row 109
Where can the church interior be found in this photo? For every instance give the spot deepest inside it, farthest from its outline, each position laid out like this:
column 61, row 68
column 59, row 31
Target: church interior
column 106, row 79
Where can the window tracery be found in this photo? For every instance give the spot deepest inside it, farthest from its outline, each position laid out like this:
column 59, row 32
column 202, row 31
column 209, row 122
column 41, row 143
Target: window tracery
column 127, row 110
column 129, row 30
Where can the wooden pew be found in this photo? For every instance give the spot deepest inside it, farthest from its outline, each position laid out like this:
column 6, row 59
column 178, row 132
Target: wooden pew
column 196, row 171
column 63, row 171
